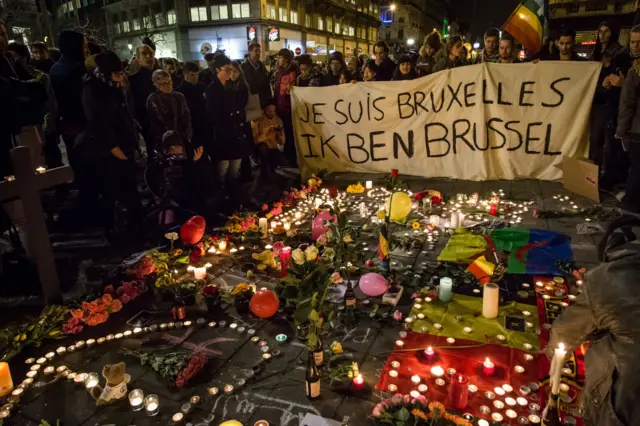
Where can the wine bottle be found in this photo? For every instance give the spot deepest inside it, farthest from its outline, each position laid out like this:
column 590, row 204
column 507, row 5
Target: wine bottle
column 318, row 353
column 349, row 296
column 313, row 378
column 550, row 415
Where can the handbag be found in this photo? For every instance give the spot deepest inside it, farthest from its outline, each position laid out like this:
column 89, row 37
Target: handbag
column 253, row 108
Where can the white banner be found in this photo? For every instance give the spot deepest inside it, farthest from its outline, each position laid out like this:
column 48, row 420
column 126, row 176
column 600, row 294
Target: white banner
column 480, row 122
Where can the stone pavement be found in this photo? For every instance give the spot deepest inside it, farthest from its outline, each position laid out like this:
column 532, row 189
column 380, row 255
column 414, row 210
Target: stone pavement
column 273, row 391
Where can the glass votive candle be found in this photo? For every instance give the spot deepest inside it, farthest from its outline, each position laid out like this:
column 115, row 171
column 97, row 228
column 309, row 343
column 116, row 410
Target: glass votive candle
column 393, row 373
column 32, row 374
column 437, row 371
column 61, row 350
column 177, row 418
column 35, row 367
column 498, row 404
column 152, row 404
column 423, row 388
column 395, row 364
column 50, row 355
column 136, row 399
column 415, row 379
column 499, row 391
column 41, row 360
column 510, row 401
column 507, row 388
column 91, row 381
column 213, row 391
column 49, row 370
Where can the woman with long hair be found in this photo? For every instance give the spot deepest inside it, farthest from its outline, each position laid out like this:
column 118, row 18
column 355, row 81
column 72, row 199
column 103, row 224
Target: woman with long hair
column 455, row 55
column 405, row 70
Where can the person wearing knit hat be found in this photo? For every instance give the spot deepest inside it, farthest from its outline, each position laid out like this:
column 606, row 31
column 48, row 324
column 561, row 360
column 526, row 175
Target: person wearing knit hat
column 405, row 70
column 428, row 54
column 108, row 63
column 336, row 65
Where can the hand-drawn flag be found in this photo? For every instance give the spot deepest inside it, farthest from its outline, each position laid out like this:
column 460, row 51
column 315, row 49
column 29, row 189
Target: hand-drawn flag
column 525, row 24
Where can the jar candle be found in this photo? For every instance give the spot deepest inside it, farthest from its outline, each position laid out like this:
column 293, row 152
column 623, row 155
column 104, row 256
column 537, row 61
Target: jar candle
column 91, row 381
column 152, row 404
column 459, row 391
column 488, row 367
column 415, row 379
column 6, row 382
column 445, row 291
column 136, row 399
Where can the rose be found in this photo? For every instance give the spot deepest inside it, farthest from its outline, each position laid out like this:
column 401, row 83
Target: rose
column 368, row 263
column 195, row 255
column 106, row 298
column 397, row 315
column 109, row 289
column 311, row 253
column 210, row 291
column 333, row 192
column 397, row 399
column 328, row 254
column 116, row 305
column 125, row 298
column 407, row 399
column 377, row 410
column 336, row 278
column 421, row 399
column 277, row 248
column 265, row 207
column 298, row 256
column 435, row 200
column 322, row 240
column 394, row 172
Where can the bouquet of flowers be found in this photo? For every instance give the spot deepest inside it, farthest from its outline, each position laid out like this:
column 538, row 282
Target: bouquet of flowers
column 240, row 297
column 211, row 295
column 243, row 224
column 404, row 410
column 47, row 326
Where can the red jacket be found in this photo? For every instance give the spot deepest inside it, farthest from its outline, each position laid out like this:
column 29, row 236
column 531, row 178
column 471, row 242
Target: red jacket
column 284, row 82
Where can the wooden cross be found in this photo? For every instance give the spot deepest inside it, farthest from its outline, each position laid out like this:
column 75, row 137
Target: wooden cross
column 26, row 186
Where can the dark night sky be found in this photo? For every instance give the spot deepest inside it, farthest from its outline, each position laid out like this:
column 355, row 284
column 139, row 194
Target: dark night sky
column 488, row 13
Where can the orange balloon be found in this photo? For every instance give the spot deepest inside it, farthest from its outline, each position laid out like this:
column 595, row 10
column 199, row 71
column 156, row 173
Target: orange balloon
column 264, row 304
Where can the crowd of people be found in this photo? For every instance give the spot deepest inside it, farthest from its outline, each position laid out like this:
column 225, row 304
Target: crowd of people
column 215, row 119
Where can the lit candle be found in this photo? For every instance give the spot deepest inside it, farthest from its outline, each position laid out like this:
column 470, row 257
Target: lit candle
column 136, row 397
column 490, row 300
column 200, row 273
column 287, row 226
column 152, row 405
column 222, row 245
column 50, row 355
column 393, row 373
column 177, row 418
column 274, row 224
column 368, row 184
column 556, row 368
column 415, row 379
column 414, row 394
column 262, row 224
column 399, row 343
column 41, row 170
column 510, row 401
column 49, row 370
column 358, row 382
column 429, row 352
column 395, row 364
column 91, row 381
column 392, row 388
column 488, row 367
column 499, row 391
column 446, row 289
column 437, row 371
column 61, row 350
column 6, row 382
column 455, row 220
column 285, row 260
column 298, row 215
column 459, row 391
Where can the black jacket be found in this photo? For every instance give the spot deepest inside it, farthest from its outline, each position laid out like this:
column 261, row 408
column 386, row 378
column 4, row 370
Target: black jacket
column 194, row 95
column 44, row 65
column 226, row 119
column 67, row 81
column 141, row 87
column 110, row 121
column 330, row 79
column 386, row 69
column 206, row 76
column 258, row 80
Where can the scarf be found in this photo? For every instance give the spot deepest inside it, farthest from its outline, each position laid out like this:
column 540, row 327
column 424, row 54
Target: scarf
column 107, row 80
column 492, row 58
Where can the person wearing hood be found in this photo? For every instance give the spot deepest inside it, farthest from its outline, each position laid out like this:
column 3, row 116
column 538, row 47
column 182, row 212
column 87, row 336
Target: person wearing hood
column 427, row 60
column 490, row 52
column 285, row 79
column 111, row 138
column 336, row 64
column 141, row 86
column 386, row 66
column 309, row 76
column 67, row 81
column 404, row 71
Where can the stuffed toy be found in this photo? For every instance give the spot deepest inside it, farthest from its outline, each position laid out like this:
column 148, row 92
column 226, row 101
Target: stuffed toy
column 116, row 387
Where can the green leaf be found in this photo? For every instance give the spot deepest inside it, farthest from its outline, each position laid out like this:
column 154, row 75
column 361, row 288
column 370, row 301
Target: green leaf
column 314, row 316
column 184, row 259
column 402, row 414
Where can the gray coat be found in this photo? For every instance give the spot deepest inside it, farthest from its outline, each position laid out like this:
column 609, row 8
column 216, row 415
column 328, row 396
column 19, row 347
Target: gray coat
column 629, row 111
column 607, row 314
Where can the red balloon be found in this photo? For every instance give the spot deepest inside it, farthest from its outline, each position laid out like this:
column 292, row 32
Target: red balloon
column 192, row 231
column 264, row 304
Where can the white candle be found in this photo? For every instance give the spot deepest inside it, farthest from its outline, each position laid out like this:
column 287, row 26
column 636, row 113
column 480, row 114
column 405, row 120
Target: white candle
column 298, row 215
column 556, row 368
column 274, row 224
column 415, row 379
column 287, row 226
column 368, row 184
column 455, row 219
column 490, row 299
column 222, row 245
column 200, row 273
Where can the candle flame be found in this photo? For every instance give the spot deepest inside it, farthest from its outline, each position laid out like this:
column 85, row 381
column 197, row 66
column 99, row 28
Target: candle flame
column 561, row 347
column 487, row 361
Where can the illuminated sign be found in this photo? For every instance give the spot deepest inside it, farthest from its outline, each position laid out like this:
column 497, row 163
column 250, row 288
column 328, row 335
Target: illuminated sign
column 252, row 34
column 274, row 34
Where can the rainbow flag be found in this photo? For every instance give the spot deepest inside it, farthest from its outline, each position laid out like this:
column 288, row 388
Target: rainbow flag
column 525, row 24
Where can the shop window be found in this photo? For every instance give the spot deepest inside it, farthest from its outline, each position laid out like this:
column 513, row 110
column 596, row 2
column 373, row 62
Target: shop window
column 283, row 14
column 352, row 31
column 240, row 10
column 171, row 17
column 307, row 20
column 293, row 17
column 219, row 11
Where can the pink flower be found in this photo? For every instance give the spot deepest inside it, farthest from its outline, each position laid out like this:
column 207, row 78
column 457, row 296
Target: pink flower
column 415, row 294
column 407, row 399
column 377, row 411
column 322, row 240
column 277, row 248
column 120, row 291
column 244, row 225
column 336, row 278
column 422, row 399
column 368, row 263
column 109, row 290
column 397, row 315
column 397, row 399
column 265, row 207
column 125, row 299
column 251, row 221
column 179, row 382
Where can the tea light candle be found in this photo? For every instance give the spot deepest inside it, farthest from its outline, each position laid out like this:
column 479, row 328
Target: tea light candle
column 534, row 419
column 30, row 360
column 50, row 355
column 423, row 388
column 415, row 379
column 110, row 337
column 522, row 401
column 440, row 382
column 501, row 338
column 358, row 382
column 152, row 404
column 41, row 360
column 399, row 343
column 222, row 245
column 395, row 364
column 136, row 398
column 483, row 422
column 437, row 326
column 91, row 342
column 420, row 316
column 414, row 394
column 507, row 388
column 473, row 389
column 429, row 352
column 467, row 330
column 286, row 226
column 392, row 388
column 177, row 418
column 451, row 340
column 274, row 224
column 61, row 350
column 518, row 369
column 488, row 367
column 118, row 336
column 511, row 414
column 212, row 324
column 32, row 374
column 35, row 367
column 498, row 404
column 91, row 380
column 71, row 376
column 41, row 170
column 61, row 368
column 450, row 371
column 393, row 373
column 266, row 357
column 228, row 389
column 213, row 391
column 127, row 333
column 496, row 417
column 437, row 371
column 49, row 370
column 499, row 391
column 510, row 401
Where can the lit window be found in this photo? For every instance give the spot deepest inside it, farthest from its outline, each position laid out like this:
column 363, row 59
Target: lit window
column 136, row 24
column 329, row 25
column 283, row 14
column 159, row 19
column 70, row 7
column 307, row 20
column 219, row 11
column 125, row 27
column 240, row 10
column 116, row 28
column 337, row 28
column 78, row 4
column 198, row 13
column 171, row 17
column 271, row 12
column 320, row 23
column 293, row 17
column 352, row 31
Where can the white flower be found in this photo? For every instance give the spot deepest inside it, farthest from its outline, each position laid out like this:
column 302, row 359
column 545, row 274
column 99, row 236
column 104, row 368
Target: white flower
column 311, row 253
column 171, row 236
column 298, row 256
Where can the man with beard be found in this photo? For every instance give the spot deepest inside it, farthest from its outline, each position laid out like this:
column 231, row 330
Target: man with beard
column 565, row 42
column 490, row 52
column 141, row 85
column 207, row 75
column 505, row 51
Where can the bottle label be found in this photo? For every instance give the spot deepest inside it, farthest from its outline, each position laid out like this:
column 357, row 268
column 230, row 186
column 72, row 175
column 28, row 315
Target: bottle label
column 318, row 357
column 350, row 302
column 313, row 389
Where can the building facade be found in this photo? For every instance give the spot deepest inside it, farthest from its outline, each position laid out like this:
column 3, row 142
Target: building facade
column 405, row 24
column 187, row 29
column 584, row 17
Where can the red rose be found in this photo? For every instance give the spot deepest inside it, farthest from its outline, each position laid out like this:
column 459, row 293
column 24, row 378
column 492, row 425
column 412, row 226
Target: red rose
column 125, row 299
column 179, row 382
column 109, row 290
column 195, row 255
column 435, row 200
column 333, row 192
column 368, row 263
column 210, row 290
column 394, row 172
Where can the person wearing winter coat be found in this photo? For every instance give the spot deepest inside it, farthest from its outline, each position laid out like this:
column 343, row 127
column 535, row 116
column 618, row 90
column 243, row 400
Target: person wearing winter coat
column 490, row 52
column 111, row 138
column 226, row 115
column 40, row 59
column 285, row 79
column 309, row 75
column 404, row 71
column 604, row 317
column 428, row 52
column 607, row 41
column 455, row 55
column 336, row 65
column 193, row 93
column 386, row 66
column 141, row 86
column 257, row 76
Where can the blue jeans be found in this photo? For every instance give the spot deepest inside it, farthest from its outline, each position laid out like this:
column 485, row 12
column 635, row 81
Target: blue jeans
column 229, row 172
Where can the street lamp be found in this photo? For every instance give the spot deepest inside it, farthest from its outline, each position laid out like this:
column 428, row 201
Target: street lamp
column 130, row 46
column 410, row 42
column 392, row 7
column 476, row 45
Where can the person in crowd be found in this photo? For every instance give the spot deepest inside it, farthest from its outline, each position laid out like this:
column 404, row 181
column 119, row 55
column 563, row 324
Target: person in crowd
column 506, row 50
column 336, row 64
column 386, row 66
column 490, row 52
column 405, row 70
column 67, row 80
column 171, row 66
column 208, row 74
column 40, row 59
column 603, row 318
column 370, row 72
column 51, row 137
column 167, row 110
column 141, row 86
column 607, row 41
column 54, row 54
column 239, row 84
column 548, row 51
column 566, row 42
column 354, row 66
column 628, row 129
column 284, row 80
column 346, row 77
column 455, row 56
column 111, row 138
column 268, row 135
column 193, row 93
column 255, row 72
column 309, row 76
column 427, row 60
column 228, row 122
column 147, row 41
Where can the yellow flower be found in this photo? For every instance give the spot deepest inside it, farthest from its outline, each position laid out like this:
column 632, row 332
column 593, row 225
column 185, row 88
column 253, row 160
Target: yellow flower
column 336, row 348
column 54, row 332
column 177, row 252
column 415, row 225
column 311, row 182
column 23, row 337
column 261, row 267
column 381, row 214
column 347, row 238
column 240, row 288
column 254, row 228
column 355, row 189
column 268, row 215
column 15, row 339
column 419, row 413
